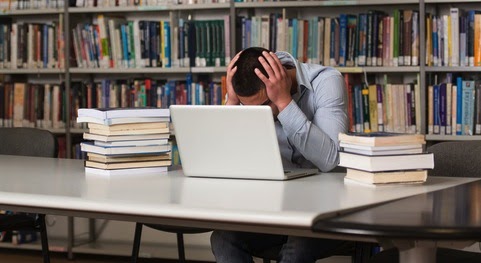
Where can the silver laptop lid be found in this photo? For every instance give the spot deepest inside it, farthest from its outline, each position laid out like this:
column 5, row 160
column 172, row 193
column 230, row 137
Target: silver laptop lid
column 227, row 141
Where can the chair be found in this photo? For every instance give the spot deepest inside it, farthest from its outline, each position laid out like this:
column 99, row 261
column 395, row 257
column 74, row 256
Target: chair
column 27, row 142
column 452, row 159
column 179, row 231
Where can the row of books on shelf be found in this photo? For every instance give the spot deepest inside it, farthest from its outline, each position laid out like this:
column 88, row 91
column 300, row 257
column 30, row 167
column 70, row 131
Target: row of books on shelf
column 454, row 39
column 30, row 4
column 31, row 45
column 43, row 105
column 139, row 145
column 123, row 3
column 381, row 158
column 384, row 107
column 113, row 42
column 32, row 105
column 368, row 39
column 454, row 108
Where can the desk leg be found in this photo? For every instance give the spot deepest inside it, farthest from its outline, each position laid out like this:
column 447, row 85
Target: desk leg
column 417, row 251
column 70, row 238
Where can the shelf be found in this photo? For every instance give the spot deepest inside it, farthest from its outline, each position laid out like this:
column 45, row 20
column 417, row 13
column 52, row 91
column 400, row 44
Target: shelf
column 209, row 69
column 453, row 69
column 298, row 4
column 30, row 12
column 402, row 69
column 433, row 137
column 450, row 1
column 128, row 9
column 129, row 70
column 32, row 71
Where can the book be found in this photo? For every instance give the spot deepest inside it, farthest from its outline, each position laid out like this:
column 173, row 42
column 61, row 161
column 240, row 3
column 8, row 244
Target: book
column 116, row 121
column 381, row 138
column 386, row 163
column 129, row 132
column 128, row 158
column 380, row 178
column 131, row 171
column 126, row 165
column 112, row 113
column 131, row 143
column 129, row 126
column 382, row 150
column 89, row 147
column 114, row 138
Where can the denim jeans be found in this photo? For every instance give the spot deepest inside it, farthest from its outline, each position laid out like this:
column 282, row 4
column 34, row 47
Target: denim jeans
column 233, row 247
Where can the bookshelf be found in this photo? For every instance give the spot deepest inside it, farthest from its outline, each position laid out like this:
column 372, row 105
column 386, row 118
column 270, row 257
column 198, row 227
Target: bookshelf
column 300, row 9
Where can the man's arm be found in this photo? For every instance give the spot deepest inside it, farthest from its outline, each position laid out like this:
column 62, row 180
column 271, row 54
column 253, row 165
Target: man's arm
column 318, row 140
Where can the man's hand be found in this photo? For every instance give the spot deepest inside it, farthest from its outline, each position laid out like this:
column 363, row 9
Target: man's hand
column 232, row 98
column 278, row 84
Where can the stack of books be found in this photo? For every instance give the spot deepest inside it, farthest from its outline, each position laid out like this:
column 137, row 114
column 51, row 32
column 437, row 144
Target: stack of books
column 126, row 140
column 385, row 158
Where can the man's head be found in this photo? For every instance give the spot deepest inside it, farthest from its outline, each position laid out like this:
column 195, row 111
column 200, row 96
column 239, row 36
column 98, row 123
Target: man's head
column 245, row 81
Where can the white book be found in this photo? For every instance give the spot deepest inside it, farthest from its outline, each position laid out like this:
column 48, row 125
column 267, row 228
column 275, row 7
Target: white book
column 227, row 39
column 446, row 36
column 55, row 107
column 139, row 62
column 114, row 121
column 449, row 95
column 454, row 54
column 112, row 113
column 89, row 147
column 132, row 143
column 117, row 138
column 30, row 39
column 386, row 163
column 14, row 48
column 131, row 171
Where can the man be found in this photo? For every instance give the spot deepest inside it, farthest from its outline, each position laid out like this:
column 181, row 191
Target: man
column 309, row 103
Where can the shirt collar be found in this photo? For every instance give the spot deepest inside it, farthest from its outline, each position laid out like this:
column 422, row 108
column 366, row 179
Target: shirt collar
column 303, row 83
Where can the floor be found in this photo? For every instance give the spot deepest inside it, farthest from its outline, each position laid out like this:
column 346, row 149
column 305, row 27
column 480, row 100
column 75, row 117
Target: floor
column 30, row 256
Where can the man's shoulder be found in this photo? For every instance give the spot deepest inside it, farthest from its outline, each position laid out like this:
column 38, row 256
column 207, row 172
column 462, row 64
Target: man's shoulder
column 320, row 71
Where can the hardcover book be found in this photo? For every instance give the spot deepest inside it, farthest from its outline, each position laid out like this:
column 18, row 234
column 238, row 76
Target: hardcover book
column 112, row 113
column 387, row 162
column 381, row 138
column 384, row 178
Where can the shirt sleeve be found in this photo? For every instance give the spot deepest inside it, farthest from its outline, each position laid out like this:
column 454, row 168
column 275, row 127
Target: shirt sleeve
column 317, row 140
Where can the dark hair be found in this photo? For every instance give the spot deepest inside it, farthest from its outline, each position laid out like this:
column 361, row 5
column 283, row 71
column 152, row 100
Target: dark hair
column 245, row 81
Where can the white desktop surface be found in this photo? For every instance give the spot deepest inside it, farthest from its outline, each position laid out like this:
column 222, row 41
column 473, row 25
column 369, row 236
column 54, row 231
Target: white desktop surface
column 61, row 186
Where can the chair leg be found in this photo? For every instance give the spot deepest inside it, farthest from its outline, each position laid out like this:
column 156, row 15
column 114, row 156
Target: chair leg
column 44, row 238
column 136, row 246
column 180, row 247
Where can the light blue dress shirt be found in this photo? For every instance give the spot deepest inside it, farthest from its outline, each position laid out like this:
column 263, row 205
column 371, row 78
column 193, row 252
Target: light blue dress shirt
column 307, row 129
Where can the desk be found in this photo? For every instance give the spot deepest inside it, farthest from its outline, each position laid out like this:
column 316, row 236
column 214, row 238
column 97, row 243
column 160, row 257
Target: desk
column 61, row 187
column 416, row 224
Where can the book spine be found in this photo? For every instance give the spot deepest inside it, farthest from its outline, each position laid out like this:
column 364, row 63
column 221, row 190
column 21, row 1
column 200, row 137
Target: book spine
column 468, row 107
column 436, row 109
column 459, row 106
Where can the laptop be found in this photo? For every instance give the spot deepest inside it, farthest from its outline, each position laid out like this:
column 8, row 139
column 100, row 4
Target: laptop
column 230, row 142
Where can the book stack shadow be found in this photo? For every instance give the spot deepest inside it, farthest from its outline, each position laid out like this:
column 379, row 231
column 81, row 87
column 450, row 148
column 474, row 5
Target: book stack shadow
column 385, row 158
column 123, row 141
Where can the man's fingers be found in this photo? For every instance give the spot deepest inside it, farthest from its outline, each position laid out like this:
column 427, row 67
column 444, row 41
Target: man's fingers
column 267, row 67
column 278, row 63
column 275, row 65
column 262, row 77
